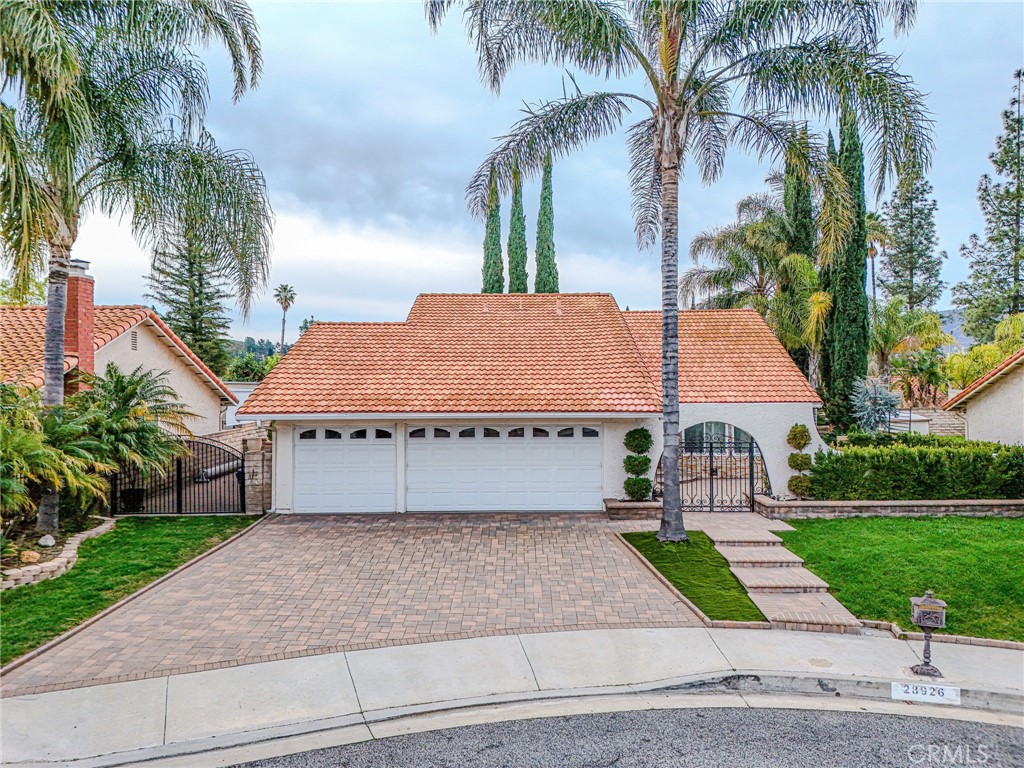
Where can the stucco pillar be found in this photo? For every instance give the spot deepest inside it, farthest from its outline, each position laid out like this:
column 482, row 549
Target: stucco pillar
column 400, row 438
column 284, row 462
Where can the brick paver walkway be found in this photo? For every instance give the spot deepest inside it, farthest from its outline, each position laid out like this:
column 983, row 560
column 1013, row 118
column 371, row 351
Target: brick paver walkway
column 302, row 585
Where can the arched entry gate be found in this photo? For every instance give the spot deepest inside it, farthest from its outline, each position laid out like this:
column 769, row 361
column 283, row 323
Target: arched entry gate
column 719, row 475
column 208, row 479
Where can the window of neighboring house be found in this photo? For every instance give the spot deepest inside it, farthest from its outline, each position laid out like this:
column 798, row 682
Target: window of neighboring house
column 382, row 434
column 491, row 432
column 467, row 432
column 590, row 432
column 332, row 434
column 357, row 434
column 439, row 432
column 540, row 432
column 418, row 432
column 567, row 432
column 517, row 432
column 308, row 434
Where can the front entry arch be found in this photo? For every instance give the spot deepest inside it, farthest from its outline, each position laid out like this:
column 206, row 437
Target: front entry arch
column 721, row 469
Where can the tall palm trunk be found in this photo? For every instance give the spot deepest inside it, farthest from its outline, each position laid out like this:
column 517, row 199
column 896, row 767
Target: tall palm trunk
column 48, row 517
column 672, row 528
column 284, row 318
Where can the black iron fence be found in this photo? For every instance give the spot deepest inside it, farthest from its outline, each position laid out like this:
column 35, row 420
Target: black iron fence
column 719, row 476
column 208, row 479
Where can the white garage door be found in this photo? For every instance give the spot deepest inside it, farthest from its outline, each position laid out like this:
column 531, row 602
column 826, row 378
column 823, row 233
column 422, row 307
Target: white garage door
column 503, row 467
column 345, row 469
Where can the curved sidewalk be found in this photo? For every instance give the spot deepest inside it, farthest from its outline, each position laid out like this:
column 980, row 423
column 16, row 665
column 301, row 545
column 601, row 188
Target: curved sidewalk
column 196, row 714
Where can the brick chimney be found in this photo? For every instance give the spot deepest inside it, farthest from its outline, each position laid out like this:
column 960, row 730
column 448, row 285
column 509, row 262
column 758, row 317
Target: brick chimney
column 79, row 320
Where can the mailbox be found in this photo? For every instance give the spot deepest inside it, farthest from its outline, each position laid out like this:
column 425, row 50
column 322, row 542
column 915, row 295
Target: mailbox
column 928, row 612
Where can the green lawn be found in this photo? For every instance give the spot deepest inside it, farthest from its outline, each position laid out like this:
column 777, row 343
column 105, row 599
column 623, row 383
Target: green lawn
column 109, row 567
column 699, row 572
column 875, row 565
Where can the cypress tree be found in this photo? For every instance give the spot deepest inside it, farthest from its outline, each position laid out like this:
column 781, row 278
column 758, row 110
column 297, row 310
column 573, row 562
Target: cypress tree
column 826, row 279
column 799, row 208
column 848, row 356
column 546, row 280
column 494, row 270
column 912, row 266
column 193, row 296
column 517, row 278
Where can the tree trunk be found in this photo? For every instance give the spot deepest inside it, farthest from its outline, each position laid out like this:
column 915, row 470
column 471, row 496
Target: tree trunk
column 284, row 317
column 48, row 517
column 672, row 528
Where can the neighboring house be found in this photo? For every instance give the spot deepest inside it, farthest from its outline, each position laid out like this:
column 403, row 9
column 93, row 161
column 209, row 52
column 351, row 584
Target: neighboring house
column 993, row 405
column 241, row 390
column 128, row 336
column 509, row 402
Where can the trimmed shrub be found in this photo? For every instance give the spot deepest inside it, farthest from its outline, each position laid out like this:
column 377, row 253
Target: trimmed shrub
column 900, row 472
column 637, row 465
column 865, row 439
column 799, row 462
column 800, row 485
column 799, row 437
column 638, row 440
column 638, row 488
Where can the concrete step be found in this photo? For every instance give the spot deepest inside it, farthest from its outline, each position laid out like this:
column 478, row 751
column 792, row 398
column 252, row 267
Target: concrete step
column 760, row 557
column 795, row 580
column 727, row 538
column 816, row 612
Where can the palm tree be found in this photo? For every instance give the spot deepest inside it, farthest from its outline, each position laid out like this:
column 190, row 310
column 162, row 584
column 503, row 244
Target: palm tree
column 896, row 330
column 878, row 241
column 284, row 295
column 715, row 73
column 133, row 145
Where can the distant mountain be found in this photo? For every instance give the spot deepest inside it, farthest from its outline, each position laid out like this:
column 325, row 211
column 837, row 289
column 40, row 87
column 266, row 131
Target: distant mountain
column 953, row 324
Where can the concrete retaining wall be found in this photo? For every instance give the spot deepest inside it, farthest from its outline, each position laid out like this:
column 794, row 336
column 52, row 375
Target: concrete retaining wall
column 787, row 510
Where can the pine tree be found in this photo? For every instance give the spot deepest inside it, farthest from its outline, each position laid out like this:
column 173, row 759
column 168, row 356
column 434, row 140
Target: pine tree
column 912, row 267
column 494, row 270
column 193, row 296
column 518, row 281
column 848, row 356
column 993, row 288
column 546, row 280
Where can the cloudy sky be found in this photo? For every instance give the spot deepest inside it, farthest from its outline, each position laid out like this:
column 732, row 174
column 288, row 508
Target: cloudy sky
column 368, row 127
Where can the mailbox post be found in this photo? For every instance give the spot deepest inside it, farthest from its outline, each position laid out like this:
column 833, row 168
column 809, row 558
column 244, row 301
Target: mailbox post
column 929, row 614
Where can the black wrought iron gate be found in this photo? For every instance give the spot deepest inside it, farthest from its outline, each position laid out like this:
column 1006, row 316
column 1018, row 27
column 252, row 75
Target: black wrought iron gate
column 208, row 479
column 720, row 476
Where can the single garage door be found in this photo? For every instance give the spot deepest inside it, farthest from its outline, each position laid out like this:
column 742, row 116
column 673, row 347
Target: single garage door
column 503, row 467
column 345, row 469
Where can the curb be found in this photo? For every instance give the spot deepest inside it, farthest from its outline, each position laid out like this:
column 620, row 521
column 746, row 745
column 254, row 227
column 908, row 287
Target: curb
column 709, row 690
column 64, row 562
column 49, row 645
column 983, row 642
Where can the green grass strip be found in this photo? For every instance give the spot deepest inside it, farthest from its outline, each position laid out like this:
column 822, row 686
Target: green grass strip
column 875, row 565
column 110, row 567
column 700, row 572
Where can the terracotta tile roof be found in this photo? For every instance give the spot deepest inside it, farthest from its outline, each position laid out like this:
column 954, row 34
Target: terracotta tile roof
column 958, row 399
column 725, row 356
column 22, row 331
column 467, row 353
column 565, row 353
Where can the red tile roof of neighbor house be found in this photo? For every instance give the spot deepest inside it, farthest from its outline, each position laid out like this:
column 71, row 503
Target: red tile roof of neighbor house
column 523, row 353
column 23, row 329
column 984, row 380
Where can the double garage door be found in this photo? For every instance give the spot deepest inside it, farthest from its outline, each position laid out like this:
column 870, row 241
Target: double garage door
column 449, row 468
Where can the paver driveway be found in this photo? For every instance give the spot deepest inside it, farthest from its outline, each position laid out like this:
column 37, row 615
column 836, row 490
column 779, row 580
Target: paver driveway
column 301, row 585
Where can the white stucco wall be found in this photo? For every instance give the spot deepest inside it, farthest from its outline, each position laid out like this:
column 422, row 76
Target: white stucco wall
column 154, row 355
column 996, row 413
column 241, row 390
column 767, row 423
column 614, row 452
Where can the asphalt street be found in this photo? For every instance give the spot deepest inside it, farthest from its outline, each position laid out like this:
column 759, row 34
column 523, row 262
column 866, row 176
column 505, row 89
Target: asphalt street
column 701, row 738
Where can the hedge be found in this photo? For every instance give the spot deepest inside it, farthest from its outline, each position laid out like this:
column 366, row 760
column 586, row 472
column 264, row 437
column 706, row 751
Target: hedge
column 913, row 439
column 898, row 472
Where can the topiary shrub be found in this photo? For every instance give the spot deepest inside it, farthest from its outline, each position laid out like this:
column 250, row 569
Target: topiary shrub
column 638, row 488
column 799, row 437
column 800, row 485
column 638, row 442
column 799, row 462
column 638, row 466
